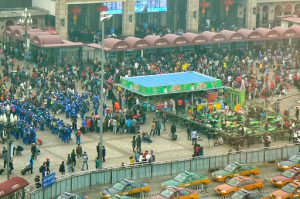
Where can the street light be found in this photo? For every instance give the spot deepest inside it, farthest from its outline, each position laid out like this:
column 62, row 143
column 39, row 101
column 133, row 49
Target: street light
column 8, row 122
column 26, row 22
column 103, row 17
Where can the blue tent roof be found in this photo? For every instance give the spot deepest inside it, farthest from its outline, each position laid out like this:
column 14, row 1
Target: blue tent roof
column 171, row 79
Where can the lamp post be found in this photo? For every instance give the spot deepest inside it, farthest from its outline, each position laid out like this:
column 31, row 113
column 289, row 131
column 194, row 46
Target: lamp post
column 8, row 122
column 103, row 17
column 26, row 22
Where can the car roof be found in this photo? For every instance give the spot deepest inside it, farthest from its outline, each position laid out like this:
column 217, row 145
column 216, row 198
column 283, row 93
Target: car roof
column 175, row 188
column 241, row 178
column 126, row 181
column 189, row 173
column 295, row 169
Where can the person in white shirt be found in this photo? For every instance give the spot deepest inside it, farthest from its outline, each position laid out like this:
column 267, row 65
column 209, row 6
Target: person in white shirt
column 194, row 137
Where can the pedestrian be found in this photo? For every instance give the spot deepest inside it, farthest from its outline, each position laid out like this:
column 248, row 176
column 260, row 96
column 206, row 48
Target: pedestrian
column 173, row 129
column 98, row 125
column 164, row 120
column 133, row 143
column 153, row 127
column 33, row 150
column 11, row 166
column 48, row 165
column 152, row 157
column 78, row 151
column 103, row 153
column 97, row 163
column 69, row 164
column 188, row 132
column 62, row 168
column 31, row 163
column 194, row 137
column 73, row 158
column 158, row 127
column 115, row 126
column 98, row 150
column 78, row 135
column 85, row 161
column 37, row 181
column 139, row 143
column 4, row 157
column 297, row 113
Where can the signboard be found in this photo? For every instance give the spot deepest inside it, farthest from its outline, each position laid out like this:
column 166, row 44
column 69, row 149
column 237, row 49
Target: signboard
column 140, row 6
column 211, row 97
column 148, row 91
column 49, row 180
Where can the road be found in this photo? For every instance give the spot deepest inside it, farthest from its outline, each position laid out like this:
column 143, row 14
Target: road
column 267, row 172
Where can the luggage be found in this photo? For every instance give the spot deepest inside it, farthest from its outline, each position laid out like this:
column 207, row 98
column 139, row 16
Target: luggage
column 174, row 137
column 1, row 171
column 25, row 170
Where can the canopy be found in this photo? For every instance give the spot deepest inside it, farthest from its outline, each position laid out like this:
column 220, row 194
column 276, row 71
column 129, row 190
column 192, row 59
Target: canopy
column 161, row 84
column 13, row 185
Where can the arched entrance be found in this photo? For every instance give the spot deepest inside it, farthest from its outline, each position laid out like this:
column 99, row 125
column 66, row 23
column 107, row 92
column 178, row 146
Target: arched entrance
column 288, row 9
column 9, row 23
column 265, row 14
column 278, row 11
column 297, row 10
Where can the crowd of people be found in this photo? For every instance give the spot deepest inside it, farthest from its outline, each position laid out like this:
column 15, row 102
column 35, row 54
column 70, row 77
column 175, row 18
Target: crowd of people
column 47, row 97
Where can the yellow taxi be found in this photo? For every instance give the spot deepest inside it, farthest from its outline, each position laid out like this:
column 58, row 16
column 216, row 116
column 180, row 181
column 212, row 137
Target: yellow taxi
column 293, row 161
column 235, row 169
column 126, row 188
column 286, row 177
column 289, row 191
column 237, row 183
column 177, row 193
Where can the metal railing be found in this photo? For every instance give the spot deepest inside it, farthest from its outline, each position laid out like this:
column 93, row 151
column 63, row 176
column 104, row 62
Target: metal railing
column 94, row 178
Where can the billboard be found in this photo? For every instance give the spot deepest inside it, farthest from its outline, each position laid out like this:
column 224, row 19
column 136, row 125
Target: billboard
column 140, row 6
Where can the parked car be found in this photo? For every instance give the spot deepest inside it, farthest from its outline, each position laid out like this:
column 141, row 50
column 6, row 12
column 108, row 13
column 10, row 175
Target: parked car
column 244, row 194
column 177, row 193
column 289, row 191
column 187, row 180
column 235, row 169
column 67, row 195
column 286, row 177
column 126, row 188
column 293, row 161
column 237, row 183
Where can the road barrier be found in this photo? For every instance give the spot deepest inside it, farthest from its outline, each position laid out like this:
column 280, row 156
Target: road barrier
column 93, row 178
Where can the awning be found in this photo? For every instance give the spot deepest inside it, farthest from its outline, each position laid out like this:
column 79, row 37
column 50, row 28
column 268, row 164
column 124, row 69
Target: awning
column 231, row 35
column 115, row 44
column 267, row 33
column 12, row 185
column 285, row 32
column 175, row 40
column 136, row 43
column 213, row 37
column 194, row 38
column 42, row 40
column 296, row 28
column 245, row 32
column 156, row 41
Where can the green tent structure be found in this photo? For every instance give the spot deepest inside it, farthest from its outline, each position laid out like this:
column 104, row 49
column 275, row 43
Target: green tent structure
column 171, row 83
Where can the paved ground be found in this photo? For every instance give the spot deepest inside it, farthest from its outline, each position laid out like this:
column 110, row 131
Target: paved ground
column 119, row 146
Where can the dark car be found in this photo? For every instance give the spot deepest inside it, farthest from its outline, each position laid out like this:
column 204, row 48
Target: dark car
column 244, row 194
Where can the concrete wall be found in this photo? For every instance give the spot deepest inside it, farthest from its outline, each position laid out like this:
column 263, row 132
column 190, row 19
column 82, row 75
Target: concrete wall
column 45, row 5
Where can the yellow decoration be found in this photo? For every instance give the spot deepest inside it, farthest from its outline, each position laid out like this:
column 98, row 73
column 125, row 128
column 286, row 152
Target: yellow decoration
column 199, row 107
